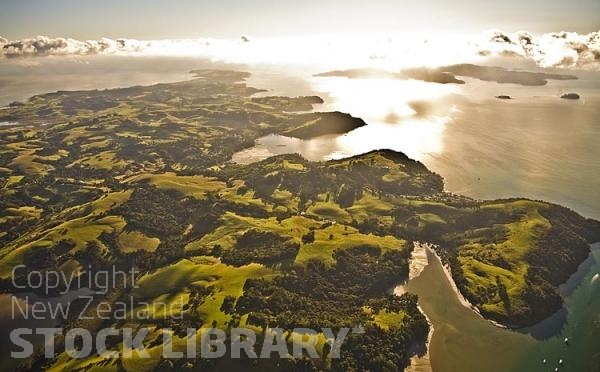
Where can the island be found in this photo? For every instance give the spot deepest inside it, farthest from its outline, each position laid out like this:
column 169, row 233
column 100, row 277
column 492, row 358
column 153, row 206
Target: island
column 570, row 96
column 448, row 74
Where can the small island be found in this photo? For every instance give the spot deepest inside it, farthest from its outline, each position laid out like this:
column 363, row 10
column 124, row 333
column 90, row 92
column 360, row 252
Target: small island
column 570, row 96
column 325, row 123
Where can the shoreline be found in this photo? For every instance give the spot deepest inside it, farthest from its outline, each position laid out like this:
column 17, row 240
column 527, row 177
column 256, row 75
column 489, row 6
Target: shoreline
column 418, row 261
column 565, row 289
column 421, row 254
column 461, row 298
column 420, row 362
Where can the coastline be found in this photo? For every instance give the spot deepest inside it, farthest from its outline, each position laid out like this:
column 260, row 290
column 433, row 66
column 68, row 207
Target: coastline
column 568, row 287
column 557, row 321
column 565, row 289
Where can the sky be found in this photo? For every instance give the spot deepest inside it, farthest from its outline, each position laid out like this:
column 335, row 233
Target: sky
column 156, row 19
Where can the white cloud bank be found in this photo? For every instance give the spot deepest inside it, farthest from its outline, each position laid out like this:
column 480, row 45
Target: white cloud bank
column 555, row 49
column 46, row 46
column 561, row 49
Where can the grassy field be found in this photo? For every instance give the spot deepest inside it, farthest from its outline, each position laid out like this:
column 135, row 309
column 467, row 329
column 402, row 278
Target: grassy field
column 479, row 260
column 133, row 241
column 337, row 236
column 386, row 319
column 329, row 211
column 13, row 180
column 196, row 186
column 79, row 231
column 367, row 206
column 232, row 226
column 104, row 160
column 222, row 280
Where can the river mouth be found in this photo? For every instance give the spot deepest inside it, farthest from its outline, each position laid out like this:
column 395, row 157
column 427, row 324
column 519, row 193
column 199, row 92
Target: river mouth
column 419, row 260
column 464, row 341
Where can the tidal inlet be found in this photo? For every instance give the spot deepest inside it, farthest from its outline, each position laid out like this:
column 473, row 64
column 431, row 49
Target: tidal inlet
column 299, row 186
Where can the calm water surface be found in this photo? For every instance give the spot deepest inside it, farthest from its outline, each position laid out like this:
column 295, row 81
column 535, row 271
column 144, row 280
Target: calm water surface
column 535, row 145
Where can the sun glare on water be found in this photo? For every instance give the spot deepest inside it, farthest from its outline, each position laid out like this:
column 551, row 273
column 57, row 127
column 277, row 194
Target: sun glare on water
column 404, row 115
column 409, row 116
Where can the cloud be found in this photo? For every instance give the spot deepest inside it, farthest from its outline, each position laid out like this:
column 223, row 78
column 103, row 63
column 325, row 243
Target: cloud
column 558, row 49
column 47, row 46
column 555, row 49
